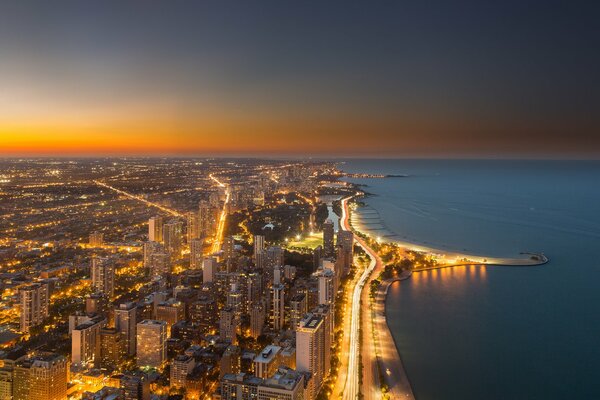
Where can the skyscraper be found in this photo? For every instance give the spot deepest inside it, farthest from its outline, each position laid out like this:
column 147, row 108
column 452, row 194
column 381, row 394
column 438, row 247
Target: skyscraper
column 103, row 276
column 125, row 322
column 196, row 253
column 328, row 237
column 259, row 246
column 310, row 340
column 229, row 325
column 151, row 343
column 41, row 377
column 173, row 238
column 34, row 305
column 155, row 229
column 278, row 307
column 85, row 342
column 193, row 226
column 209, row 269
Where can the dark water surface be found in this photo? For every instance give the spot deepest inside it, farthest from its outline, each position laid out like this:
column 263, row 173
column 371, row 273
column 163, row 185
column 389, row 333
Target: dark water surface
column 495, row 332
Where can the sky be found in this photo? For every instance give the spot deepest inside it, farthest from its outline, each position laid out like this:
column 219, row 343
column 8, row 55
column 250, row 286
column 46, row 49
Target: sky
column 308, row 78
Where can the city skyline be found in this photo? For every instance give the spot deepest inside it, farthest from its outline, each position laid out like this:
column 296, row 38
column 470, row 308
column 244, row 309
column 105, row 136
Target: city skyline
column 387, row 80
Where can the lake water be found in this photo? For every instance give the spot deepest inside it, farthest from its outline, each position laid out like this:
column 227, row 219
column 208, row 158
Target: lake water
column 494, row 332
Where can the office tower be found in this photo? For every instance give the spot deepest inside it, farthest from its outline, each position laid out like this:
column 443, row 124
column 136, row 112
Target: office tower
column 151, row 343
column 173, row 238
column 103, row 276
column 278, row 307
column 230, row 361
column 135, row 386
column 196, row 253
column 310, row 339
column 298, row 308
column 125, row 322
column 85, row 342
column 328, row 249
column 181, row 366
column 229, row 325
column 34, row 305
column 171, row 311
column 267, row 361
column 155, row 229
column 259, row 246
column 209, row 269
column 151, row 248
column 326, row 312
column 284, row 384
column 345, row 254
column 257, row 319
column 113, row 348
column 41, row 377
column 193, row 226
column 326, row 279
column 96, row 239
column 97, row 303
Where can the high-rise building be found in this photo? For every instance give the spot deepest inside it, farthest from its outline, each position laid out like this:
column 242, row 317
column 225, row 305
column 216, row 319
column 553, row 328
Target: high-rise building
column 96, row 239
column 173, row 238
column 209, row 269
column 113, row 347
column 155, row 229
column 229, row 252
column 326, row 312
column 170, row 311
column 135, row 386
column 151, row 248
column 193, row 226
column 97, row 303
column 259, row 246
column 196, row 253
column 151, row 343
column 267, row 361
column 298, row 309
column 125, row 322
column 328, row 237
column 326, row 278
column 230, row 361
column 204, row 312
column 160, row 264
column 34, row 305
column 278, row 307
column 345, row 243
column 257, row 319
column 103, row 276
column 284, row 384
column 205, row 217
column 181, row 366
column 85, row 342
column 229, row 325
column 310, row 342
column 41, row 377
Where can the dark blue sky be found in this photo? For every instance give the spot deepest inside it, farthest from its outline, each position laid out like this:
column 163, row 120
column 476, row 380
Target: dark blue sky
column 475, row 77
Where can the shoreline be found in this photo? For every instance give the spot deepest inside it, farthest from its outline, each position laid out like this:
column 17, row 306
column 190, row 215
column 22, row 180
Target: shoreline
column 388, row 357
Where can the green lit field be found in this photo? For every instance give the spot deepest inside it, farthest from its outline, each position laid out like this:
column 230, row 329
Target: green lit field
column 309, row 241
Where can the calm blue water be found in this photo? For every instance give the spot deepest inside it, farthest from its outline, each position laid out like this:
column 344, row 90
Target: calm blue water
column 495, row 332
